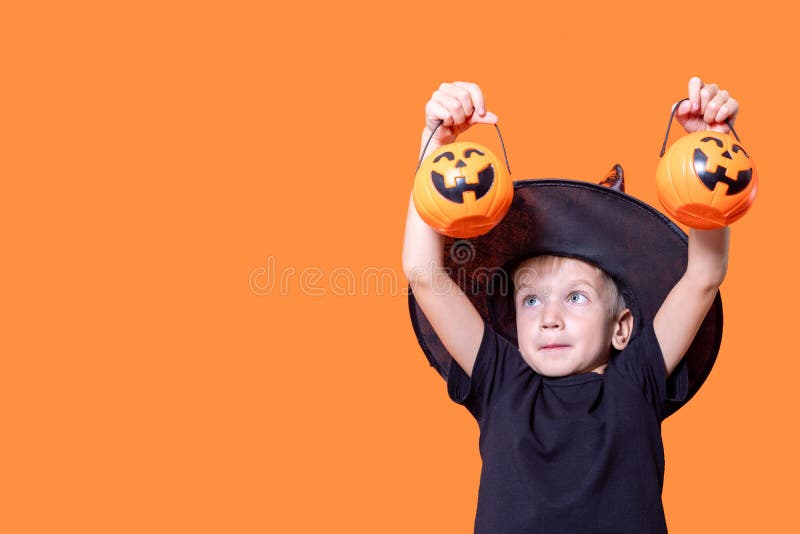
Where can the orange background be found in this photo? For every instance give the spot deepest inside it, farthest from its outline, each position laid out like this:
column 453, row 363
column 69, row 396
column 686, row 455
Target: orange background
column 156, row 157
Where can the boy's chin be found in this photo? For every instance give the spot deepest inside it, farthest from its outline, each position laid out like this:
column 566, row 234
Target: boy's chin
column 558, row 366
column 562, row 369
column 557, row 373
column 562, row 374
column 552, row 370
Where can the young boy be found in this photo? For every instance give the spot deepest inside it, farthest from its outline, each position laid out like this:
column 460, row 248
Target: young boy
column 614, row 324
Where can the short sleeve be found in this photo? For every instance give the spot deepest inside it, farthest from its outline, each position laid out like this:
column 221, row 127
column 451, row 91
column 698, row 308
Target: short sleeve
column 497, row 362
column 642, row 363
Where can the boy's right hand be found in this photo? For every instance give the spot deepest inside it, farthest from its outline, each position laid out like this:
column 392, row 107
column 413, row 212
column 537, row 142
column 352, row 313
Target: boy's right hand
column 458, row 324
column 458, row 105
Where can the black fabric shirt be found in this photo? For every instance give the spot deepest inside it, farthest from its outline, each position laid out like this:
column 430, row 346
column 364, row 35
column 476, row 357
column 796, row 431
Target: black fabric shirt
column 582, row 453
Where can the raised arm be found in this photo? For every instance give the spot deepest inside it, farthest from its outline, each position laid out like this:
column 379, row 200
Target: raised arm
column 684, row 309
column 682, row 312
column 449, row 310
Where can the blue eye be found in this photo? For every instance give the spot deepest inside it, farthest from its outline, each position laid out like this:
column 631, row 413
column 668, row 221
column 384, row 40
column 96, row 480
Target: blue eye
column 531, row 300
column 577, row 298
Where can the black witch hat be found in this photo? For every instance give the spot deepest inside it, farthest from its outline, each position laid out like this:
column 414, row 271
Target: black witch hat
column 640, row 248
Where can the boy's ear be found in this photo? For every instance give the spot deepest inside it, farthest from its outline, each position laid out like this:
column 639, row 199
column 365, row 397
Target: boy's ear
column 623, row 326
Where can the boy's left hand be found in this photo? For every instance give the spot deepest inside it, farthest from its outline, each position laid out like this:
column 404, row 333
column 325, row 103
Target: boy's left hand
column 708, row 108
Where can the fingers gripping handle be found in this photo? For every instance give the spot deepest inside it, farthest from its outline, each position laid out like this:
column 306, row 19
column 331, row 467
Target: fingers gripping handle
column 669, row 125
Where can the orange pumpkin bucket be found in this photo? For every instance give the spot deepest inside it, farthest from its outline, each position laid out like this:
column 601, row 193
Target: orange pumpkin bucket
column 706, row 179
column 462, row 190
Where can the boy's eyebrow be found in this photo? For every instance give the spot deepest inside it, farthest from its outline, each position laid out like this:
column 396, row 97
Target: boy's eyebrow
column 575, row 282
column 585, row 282
column 523, row 283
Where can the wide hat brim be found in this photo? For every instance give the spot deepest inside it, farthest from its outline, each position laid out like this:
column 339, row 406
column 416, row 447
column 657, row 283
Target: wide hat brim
column 638, row 246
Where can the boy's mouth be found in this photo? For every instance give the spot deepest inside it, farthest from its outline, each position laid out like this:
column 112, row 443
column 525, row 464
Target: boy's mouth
column 553, row 346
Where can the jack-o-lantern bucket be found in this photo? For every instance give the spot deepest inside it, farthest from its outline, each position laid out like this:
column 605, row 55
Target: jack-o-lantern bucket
column 462, row 190
column 706, row 180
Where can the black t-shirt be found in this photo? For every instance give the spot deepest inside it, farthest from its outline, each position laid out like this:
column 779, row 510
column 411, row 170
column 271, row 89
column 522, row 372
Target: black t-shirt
column 582, row 453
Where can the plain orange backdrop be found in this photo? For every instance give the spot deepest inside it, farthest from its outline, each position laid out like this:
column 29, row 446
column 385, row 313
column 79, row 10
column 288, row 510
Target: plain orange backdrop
column 158, row 159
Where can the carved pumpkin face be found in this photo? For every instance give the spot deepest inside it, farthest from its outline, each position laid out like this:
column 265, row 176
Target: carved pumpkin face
column 461, row 190
column 707, row 180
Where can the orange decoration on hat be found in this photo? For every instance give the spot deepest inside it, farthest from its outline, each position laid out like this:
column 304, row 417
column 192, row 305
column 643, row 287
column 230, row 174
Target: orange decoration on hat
column 462, row 190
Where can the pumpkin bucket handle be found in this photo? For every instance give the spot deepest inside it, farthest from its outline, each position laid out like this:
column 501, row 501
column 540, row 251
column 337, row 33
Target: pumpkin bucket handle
column 669, row 124
column 502, row 144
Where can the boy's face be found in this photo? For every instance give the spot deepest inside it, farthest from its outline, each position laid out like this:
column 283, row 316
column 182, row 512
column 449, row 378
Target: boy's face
column 565, row 321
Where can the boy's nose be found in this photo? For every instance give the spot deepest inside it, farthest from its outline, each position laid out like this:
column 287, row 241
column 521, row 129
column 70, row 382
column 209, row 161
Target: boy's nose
column 552, row 324
column 550, row 318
